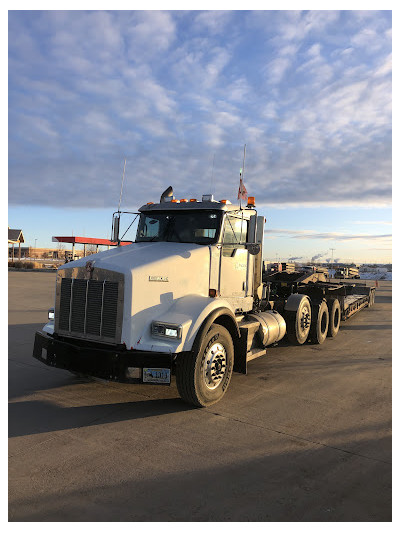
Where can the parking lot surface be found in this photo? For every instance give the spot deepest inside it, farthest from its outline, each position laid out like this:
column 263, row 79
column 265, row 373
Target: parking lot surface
column 305, row 436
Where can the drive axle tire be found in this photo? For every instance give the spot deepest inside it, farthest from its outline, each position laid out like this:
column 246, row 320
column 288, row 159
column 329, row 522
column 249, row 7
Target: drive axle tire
column 203, row 377
column 298, row 322
column 320, row 323
column 334, row 317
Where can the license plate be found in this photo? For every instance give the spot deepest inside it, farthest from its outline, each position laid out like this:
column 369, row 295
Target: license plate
column 156, row 375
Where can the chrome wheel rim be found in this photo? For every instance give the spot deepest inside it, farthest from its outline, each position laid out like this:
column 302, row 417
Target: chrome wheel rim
column 305, row 319
column 214, row 366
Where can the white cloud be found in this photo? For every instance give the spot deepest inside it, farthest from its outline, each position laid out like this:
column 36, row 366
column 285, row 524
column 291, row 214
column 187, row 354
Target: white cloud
column 149, row 33
column 373, row 222
column 336, row 236
column 213, row 21
column 385, row 68
column 164, row 87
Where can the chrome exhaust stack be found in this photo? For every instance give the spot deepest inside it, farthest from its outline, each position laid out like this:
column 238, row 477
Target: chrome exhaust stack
column 168, row 193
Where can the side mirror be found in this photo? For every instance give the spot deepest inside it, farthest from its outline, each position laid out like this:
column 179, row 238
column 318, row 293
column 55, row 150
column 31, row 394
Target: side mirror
column 115, row 228
column 253, row 248
column 252, row 233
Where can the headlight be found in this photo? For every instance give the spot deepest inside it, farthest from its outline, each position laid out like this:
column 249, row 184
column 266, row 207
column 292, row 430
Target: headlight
column 171, row 331
column 50, row 313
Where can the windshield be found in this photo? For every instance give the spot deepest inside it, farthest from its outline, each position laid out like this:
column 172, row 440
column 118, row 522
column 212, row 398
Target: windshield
column 200, row 227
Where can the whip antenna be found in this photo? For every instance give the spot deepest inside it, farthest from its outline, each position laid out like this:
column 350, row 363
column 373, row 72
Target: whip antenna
column 122, row 184
column 242, row 189
column 244, row 158
column 212, row 175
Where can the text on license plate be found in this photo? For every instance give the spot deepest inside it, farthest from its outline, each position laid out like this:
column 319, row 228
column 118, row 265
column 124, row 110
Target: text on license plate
column 156, row 375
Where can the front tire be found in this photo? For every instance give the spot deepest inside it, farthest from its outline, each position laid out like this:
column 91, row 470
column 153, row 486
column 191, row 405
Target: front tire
column 203, row 377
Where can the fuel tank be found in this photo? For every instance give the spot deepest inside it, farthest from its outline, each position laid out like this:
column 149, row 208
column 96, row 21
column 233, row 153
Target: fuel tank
column 272, row 326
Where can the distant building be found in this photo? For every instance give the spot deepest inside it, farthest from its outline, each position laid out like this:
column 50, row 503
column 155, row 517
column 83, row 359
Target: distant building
column 15, row 236
column 44, row 253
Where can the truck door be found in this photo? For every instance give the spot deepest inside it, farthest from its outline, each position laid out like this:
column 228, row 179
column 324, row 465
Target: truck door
column 234, row 264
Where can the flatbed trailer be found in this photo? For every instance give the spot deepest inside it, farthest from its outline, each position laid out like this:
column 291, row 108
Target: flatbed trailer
column 352, row 297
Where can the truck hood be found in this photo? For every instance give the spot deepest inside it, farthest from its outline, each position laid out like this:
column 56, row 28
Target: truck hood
column 156, row 274
column 135, row 255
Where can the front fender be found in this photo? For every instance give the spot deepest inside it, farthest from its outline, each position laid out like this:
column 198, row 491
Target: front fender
column 49, row 327
column 190, row 312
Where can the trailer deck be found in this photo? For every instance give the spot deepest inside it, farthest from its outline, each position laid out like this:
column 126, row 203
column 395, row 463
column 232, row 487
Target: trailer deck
column 352, row 297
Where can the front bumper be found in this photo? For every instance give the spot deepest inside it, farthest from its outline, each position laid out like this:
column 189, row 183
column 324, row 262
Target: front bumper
column 110, row 363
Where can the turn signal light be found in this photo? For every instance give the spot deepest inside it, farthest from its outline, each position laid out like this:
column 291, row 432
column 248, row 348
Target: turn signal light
column 213, row 293
column 251, row 201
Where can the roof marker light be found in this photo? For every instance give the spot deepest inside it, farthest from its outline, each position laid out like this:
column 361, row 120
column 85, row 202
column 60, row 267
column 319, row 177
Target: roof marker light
column 183, row 200
column 223, row 201
column 193, row 200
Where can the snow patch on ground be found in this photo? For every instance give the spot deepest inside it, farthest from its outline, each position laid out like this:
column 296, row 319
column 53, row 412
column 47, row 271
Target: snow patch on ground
column 378, row 273
column 387, row 276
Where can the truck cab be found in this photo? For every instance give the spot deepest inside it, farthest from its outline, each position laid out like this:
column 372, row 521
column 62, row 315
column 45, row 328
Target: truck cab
column 195, row 266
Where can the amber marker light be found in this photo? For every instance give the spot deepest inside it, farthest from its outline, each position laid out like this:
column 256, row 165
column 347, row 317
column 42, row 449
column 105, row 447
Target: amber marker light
column 251, row 201
column 183, row 200
column 193, row 200
column 174, row 201
column 223, row 201
column 150, row 203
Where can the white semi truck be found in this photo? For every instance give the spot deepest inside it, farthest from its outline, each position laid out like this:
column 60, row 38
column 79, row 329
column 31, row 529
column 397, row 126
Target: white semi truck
column 187, row 298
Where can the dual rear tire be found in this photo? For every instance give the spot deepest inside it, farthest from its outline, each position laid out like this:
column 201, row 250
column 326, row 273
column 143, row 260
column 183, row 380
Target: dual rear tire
column 314, row 322
column 298, row 322
column 334, row 317
column 319, row 323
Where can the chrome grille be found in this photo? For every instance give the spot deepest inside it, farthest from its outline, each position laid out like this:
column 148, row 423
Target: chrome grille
column 88, row 307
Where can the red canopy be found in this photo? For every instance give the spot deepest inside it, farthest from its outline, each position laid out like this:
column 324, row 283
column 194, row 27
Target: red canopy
column 89, row 240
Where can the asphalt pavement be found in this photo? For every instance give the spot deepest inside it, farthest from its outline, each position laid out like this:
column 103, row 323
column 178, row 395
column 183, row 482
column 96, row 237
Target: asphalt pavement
column 305, row 436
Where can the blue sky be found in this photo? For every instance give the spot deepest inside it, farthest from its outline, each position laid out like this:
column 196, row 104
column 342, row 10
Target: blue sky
column 308, row 92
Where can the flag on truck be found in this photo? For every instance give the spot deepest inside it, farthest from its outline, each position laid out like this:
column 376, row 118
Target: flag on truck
column 242, row 192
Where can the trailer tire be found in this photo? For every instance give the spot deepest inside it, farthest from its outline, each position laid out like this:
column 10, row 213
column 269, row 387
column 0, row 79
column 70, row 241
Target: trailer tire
column 203, row 376
column 371, row 299
column 298, row 322
column 334, row 317
column 320, row 322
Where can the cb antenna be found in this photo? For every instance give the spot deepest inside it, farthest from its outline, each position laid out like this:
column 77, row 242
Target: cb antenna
column 122, row 184
column 117, row 215
column 244, row 158
column 241, row 173
column 212, row 175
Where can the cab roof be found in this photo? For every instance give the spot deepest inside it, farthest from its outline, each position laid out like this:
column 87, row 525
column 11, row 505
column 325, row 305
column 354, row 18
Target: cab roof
column 190, row 206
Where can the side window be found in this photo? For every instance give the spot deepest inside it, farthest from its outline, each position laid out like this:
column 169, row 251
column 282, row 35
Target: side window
column 235, row 232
